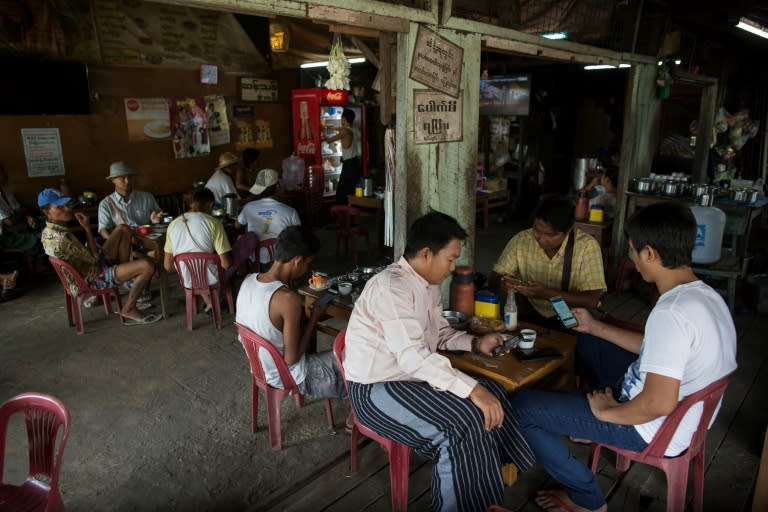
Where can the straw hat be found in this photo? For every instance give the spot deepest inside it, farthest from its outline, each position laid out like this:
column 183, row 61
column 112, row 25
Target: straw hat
column 226, row 159
column 118, row 169
column 265, row 179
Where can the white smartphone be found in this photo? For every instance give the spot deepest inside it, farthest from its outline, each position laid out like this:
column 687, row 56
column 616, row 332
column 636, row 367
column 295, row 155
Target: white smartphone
column 563, row 312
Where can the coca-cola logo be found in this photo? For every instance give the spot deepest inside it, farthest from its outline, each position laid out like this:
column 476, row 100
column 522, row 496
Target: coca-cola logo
column 307, row 148
column 336, row 96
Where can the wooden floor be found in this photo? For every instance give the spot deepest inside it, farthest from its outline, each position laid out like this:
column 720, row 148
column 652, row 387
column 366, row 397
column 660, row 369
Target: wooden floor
column 734, row 446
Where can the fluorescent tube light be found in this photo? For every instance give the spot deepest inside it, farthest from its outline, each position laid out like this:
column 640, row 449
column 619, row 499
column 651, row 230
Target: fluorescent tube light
column 556, row 35
column 625, row 66
column 753, row 27
column 356, row 60
column 599, row 66
column 677, row 62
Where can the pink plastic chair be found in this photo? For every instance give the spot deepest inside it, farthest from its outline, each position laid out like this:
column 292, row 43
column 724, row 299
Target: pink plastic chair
column 197, row 264
column 44, row 416
column 243, row 249
column 675, row 468
column 252, row 342
column 399, row 454
column 269, row 245
column 76, row 290
column 348, row 229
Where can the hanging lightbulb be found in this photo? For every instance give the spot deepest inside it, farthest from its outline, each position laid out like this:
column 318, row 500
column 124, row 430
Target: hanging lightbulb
column 279, row 37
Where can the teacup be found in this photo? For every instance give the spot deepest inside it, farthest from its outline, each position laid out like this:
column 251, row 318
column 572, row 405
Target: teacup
column 529, row 338
column 318, row 280
column 345, row 288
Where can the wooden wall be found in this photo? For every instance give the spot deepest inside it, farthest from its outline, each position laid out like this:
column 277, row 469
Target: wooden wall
column 91, row 142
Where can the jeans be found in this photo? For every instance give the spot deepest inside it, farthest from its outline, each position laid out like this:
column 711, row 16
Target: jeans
column 601, row 363
column 545, row 416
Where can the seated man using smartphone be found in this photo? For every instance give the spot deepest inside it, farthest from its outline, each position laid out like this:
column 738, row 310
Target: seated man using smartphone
column 552, row 259
column 689, row 343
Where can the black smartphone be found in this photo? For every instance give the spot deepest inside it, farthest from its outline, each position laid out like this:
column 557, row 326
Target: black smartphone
column 563, row 312
column 509, row 344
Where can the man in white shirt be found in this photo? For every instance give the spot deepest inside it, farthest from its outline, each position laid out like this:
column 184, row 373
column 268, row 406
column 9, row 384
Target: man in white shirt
column 402, row 389
column 689, row 342
column 266, row 216
column 197, row 231
column 220, row 182
column 126, row 206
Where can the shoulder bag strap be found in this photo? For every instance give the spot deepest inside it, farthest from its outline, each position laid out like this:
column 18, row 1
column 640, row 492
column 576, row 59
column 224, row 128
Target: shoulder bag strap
column 568, row 260
column 184, row 219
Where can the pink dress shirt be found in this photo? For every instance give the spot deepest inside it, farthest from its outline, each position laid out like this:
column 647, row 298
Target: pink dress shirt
column 395, row 330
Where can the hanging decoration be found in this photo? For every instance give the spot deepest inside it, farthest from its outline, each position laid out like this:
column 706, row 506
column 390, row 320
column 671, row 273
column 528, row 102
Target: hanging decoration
column 338, row 66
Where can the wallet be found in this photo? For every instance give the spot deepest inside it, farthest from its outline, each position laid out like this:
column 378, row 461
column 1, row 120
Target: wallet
column 537, row 354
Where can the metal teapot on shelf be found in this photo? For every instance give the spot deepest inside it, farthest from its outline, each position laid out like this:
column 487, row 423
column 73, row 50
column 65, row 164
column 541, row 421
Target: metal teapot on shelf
column 231, row 204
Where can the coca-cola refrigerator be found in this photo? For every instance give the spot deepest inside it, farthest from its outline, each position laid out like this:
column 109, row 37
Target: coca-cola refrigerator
column 316, row 112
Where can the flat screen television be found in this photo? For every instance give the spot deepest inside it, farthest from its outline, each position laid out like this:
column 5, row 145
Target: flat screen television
column 33, row 85
column 505, row 95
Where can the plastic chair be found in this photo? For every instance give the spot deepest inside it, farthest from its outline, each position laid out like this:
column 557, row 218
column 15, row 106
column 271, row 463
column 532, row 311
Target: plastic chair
column 44, row 416
column 269, row 245
column 76, row 290
column 242, row 250
column 197, row 264
column 399, row 454
column 627, row 266
column 349, row 228
column 675, row 468
column 252, row 342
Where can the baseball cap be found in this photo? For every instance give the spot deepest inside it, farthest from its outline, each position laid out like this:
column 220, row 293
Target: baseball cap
column 51, row 196
column 265, row 179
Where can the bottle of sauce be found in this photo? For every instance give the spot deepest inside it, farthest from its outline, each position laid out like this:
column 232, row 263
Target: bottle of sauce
column 510, row 312
column 463, row 290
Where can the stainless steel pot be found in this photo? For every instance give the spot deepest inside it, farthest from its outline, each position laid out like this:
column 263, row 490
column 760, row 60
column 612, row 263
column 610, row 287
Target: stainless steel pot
column 231, row 205
column 739, row 195
column 707, row 198
column 671, row 188
column 643, row 185
column 753, row 195
column 697, row 189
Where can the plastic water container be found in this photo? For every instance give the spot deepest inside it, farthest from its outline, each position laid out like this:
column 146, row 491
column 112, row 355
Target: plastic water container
column 710, row 226
column 293, row 173
column 487, row 305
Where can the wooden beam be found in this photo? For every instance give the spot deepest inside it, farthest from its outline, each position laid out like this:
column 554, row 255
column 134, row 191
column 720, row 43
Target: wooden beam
column 385, row 8
column 704, row 133
column 372, row 58
column 353, row 31
column 496, row 43
column 386, row 41
column 348, row 17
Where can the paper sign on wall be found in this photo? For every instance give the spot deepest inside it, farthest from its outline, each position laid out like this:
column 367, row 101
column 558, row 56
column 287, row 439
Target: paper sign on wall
column 42, row 150
column 218, row 122
column 147, row 119
column 189, row 128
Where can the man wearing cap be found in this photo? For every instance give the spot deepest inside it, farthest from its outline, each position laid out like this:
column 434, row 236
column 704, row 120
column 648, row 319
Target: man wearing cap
column 220, row 182
column 266, row 216
column 125, row 205
column 92, row 263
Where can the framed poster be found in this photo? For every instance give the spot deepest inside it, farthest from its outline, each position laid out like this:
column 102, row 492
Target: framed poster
column 258, row 89
column 437, row 117
column 42, row 150
column 436, row 62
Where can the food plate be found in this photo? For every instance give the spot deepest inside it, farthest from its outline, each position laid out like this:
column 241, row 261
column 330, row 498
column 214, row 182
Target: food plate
column 319, row 289
column 157, row 129
column 154, row 236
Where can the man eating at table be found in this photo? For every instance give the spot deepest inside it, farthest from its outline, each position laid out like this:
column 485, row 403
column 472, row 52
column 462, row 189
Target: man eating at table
column 92, row 263
column 269, row 307
column 402, row 389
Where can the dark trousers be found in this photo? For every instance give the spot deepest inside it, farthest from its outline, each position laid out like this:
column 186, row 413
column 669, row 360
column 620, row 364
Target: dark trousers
column 350, row 176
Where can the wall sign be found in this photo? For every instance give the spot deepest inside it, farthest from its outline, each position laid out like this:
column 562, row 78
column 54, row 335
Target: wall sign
column 258, row 89
column 437, row 117
column 436, row 62
column 42, row 149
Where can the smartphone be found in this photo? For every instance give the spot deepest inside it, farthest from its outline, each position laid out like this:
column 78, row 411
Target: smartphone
column 510, row 342
column 563, row 312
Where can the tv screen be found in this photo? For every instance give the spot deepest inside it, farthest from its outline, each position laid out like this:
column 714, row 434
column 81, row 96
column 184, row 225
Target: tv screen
column 505, row 95
column 43, row 86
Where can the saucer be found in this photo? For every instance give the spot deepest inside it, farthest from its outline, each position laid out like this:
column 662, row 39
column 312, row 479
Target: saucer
column 319, row 289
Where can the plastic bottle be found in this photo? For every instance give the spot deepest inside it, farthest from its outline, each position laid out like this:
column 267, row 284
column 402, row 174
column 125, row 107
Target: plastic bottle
column 710, row 226
column 597, row 213
column 510, row 312
column 486, row 304
column 463, row 291
column 582, row 206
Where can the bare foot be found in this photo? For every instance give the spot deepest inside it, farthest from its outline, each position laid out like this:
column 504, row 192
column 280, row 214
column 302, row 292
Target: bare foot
column 558, row 501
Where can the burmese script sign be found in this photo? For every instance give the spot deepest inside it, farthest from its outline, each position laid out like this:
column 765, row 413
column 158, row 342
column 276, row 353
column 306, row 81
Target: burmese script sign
column 436, row 62
column 42, row 149
column 437, row 117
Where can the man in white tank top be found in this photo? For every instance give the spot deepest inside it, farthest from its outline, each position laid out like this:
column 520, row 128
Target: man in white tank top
column 269, row 307
column 350, row 156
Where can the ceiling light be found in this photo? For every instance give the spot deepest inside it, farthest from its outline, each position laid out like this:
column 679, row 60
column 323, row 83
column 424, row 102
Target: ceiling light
column 623, row 66
column 556, row 35
column 677, row 62
column 279, row 37
column 599, row 66
column 753, row 27
column 356, row 60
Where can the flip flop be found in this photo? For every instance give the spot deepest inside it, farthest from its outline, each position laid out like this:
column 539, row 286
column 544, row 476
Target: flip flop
column 556, row 501
column 148, row 319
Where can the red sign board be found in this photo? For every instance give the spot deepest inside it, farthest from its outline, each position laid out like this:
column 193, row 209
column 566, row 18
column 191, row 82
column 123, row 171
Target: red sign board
column 336, row 96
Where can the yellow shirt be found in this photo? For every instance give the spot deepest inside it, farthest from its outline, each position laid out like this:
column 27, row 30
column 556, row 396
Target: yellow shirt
column 524, row 255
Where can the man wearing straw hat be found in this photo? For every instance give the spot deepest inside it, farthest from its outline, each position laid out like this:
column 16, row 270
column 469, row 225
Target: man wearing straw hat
column 220, row 182
column 126, row 206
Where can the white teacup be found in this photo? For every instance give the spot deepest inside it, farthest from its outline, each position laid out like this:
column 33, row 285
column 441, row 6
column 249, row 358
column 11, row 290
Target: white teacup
column 345, row 288
column 529, row 338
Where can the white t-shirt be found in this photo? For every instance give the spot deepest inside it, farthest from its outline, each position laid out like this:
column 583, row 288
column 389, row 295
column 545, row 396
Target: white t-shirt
column 220, row 184
column 252, row 308
column 267, row 218
column 207, row 232
column 689, row 336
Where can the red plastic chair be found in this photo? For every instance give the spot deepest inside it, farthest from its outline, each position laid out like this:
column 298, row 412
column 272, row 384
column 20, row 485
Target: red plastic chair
column 269, row 245
column 252, row 342
column 399, row 454
column 675, row 468
column 348, row 229
column 242, row 250
column 197, row 264
column 76, row 290
column 44, row 416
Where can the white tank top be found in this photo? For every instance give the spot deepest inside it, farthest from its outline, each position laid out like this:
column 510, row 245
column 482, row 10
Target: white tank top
column 253, row 302
column 353, row 150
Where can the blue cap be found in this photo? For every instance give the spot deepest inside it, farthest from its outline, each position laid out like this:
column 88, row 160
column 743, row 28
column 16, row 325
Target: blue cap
column 51, row 196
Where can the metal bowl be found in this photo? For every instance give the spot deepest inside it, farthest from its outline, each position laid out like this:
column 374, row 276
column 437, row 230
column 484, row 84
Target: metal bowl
column 456, row 319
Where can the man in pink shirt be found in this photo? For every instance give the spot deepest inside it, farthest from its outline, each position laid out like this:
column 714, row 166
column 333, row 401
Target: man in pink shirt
column 402, row 389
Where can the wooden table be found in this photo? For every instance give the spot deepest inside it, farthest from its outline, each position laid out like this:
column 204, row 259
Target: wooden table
column 485, row 201
column 370, row 207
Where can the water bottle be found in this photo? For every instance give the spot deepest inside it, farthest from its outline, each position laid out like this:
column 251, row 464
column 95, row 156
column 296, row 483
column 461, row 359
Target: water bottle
column 510, row 312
